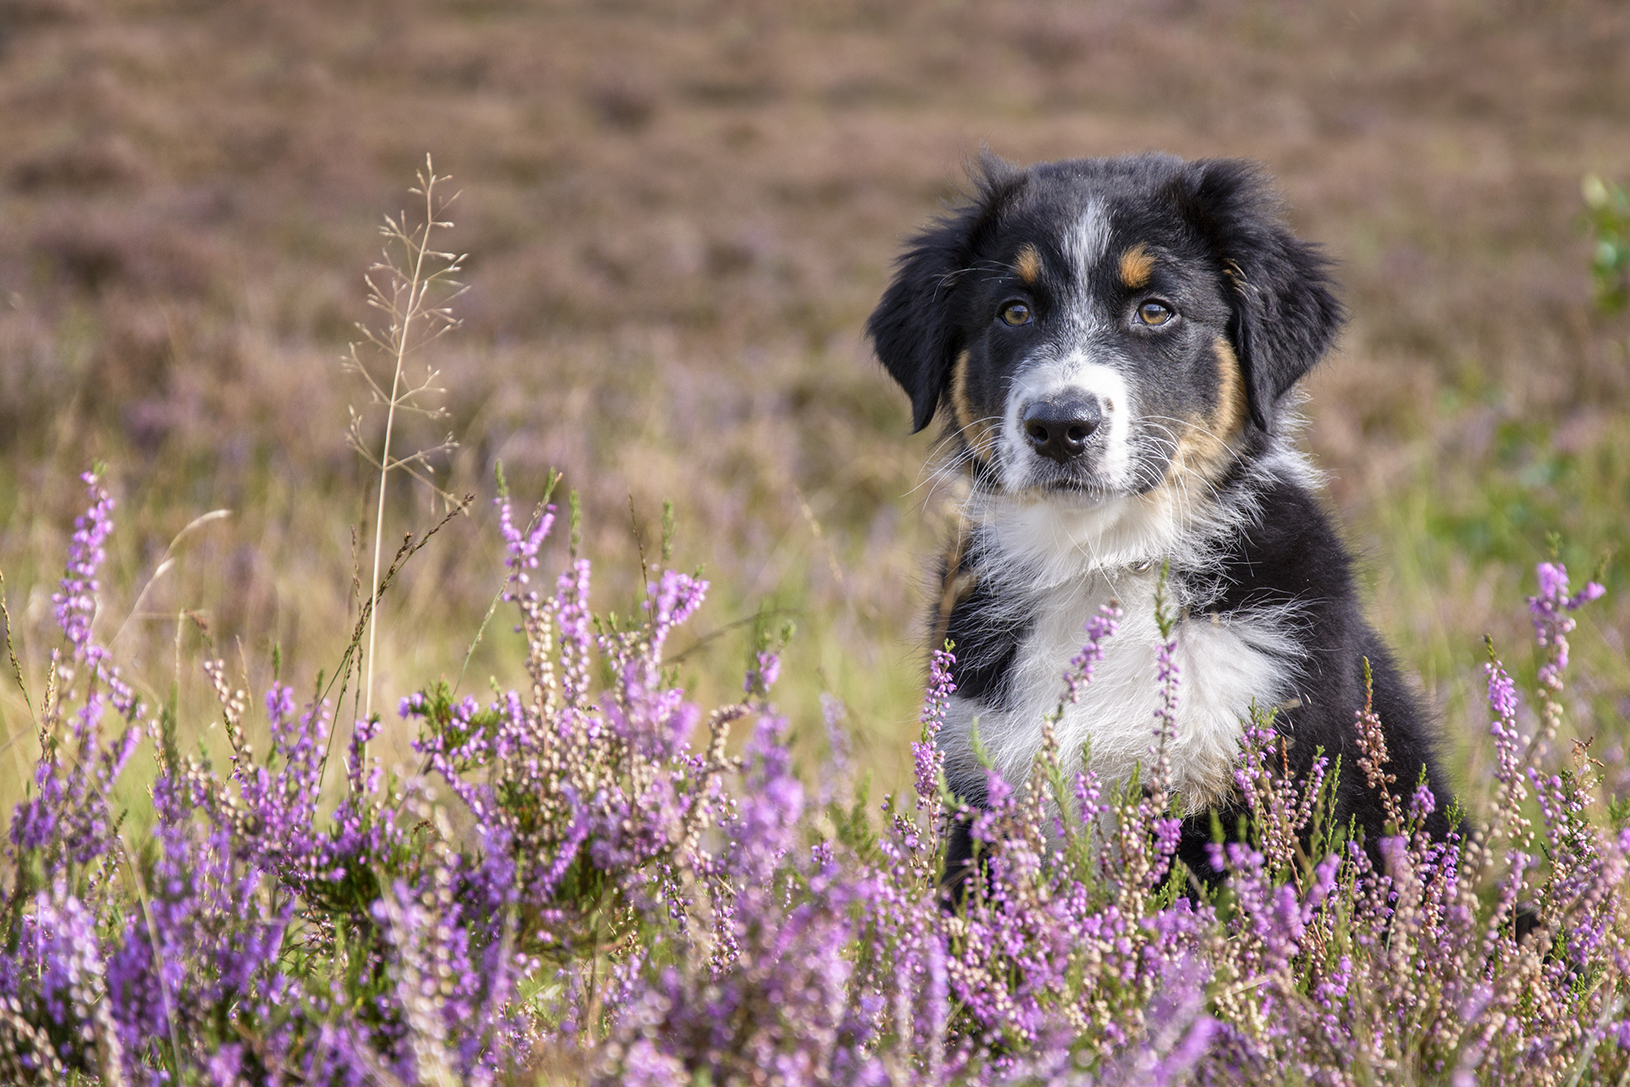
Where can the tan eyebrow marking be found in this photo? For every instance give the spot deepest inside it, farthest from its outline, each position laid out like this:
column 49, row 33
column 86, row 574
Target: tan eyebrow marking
column 1137, row 265
column 1028, row 264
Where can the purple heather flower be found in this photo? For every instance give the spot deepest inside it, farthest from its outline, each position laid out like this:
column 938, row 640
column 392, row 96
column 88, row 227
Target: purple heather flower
column 523, row 546
column 70, row 815
column 75, row 602
column 762, row 676
column 677, row 596
column 1502, row 694
column 576, row 630
column 927, row 757
column 1099, row 628
column 1422, row 804
column 1552, row 623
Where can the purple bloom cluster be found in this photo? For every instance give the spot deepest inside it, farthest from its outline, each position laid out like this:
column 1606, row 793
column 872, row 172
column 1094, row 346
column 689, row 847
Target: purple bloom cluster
column 1099, row 628
column 929, row 760
column 70, row 819
column 586, row 884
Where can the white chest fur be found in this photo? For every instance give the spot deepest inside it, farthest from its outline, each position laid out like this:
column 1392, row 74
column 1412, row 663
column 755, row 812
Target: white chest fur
column 1226, row 663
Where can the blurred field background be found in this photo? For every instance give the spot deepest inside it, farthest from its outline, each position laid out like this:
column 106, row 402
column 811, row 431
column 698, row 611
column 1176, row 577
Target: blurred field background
column 678, row 216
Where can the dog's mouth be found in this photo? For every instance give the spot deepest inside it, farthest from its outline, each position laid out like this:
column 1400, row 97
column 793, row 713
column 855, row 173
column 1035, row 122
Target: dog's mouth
column 1074, row 490
column 1079, row 481
column 1076, row 486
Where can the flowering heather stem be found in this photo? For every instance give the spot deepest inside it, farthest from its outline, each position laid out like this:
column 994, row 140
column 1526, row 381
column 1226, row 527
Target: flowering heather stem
column 1373, row 756
column 1099, row 628
column 1167, row 675
column 1550, row 612
column 75, row 602
column 927, row 757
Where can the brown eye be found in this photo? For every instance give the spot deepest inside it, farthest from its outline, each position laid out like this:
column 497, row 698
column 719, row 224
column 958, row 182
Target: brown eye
column 1154, row 314
column 1016, row 313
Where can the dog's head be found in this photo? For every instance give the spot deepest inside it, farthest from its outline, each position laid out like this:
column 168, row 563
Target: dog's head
column 1096, row 326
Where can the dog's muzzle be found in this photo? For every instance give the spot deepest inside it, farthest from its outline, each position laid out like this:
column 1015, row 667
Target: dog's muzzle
column 1059, row 427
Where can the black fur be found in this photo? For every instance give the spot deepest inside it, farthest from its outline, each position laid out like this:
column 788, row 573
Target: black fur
column 1284, row 316
column 917, row 350
column 1250, row 536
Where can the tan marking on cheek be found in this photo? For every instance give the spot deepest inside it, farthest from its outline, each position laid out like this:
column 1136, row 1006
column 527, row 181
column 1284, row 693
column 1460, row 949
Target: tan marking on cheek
column 975, row 430
column 1137, row 265
column 1205, row 449
column 1028, row 265
column 1200, row 454
column 1229, row 417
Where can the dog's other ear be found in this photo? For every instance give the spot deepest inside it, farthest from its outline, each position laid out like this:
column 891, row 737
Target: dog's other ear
column 914, row 328
column 1285, row 315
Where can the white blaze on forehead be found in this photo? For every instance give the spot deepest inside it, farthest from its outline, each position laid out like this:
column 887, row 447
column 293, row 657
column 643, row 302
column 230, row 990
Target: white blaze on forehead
column 1080, row 361
column 1089, row 241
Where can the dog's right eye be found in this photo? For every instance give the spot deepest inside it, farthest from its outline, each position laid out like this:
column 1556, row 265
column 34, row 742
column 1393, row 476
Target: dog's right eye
column 1154, row 314
column 1016, row 313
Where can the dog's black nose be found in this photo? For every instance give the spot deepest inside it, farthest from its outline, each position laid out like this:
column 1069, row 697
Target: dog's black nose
column 1058, row 427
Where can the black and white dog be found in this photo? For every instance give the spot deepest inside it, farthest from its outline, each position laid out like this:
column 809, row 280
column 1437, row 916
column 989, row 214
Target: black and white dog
column 1112, row 344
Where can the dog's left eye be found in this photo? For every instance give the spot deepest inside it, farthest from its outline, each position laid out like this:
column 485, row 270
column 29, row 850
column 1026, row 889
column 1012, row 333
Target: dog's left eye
column 1016, row 313
column 1154, row 314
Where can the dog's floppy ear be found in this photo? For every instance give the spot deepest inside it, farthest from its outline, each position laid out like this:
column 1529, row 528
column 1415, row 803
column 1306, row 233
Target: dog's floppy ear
column 914, row 327
column 1285, row 315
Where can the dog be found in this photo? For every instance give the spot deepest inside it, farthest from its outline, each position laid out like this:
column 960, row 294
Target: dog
column 1114, row 346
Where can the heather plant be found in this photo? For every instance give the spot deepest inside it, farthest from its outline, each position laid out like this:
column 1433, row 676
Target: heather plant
column 583, row 884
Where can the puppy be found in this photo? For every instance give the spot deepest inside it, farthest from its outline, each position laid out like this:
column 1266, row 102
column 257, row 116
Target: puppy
column 1112, row 345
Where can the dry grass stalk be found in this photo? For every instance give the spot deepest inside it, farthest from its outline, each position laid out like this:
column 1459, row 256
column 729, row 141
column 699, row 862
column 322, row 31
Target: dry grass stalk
column 414, row 287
